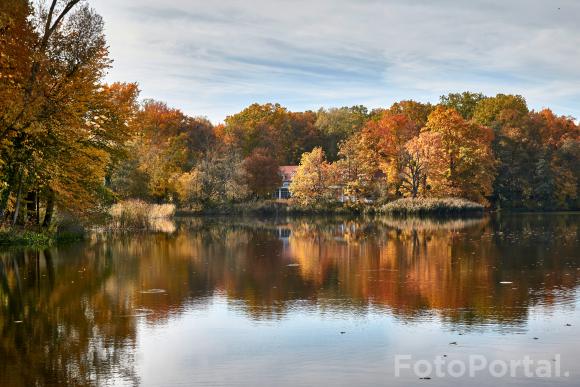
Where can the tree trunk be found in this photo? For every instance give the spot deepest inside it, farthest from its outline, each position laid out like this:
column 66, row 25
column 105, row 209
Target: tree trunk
column 6, row 193
column 49, row 209
column 18, row 197
column 31, row 207
column 37, row 208
column 4, row 202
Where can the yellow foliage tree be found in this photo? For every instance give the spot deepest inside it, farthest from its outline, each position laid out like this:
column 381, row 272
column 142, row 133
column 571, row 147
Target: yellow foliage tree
column 357, row 167
column 314, row 178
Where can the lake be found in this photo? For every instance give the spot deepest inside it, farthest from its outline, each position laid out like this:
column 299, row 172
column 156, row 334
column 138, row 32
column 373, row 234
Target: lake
column 296, row 302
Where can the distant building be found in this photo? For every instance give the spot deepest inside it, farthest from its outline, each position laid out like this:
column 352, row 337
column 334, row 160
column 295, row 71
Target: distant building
column 287, row 172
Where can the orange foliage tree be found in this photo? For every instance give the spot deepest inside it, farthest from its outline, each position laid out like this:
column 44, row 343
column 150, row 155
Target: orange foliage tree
column 463, row 165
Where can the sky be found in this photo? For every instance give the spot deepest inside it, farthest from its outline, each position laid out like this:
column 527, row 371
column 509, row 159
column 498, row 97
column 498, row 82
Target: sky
column 214, row 57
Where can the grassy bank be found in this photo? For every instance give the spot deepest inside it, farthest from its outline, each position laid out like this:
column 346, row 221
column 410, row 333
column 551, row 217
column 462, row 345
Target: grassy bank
column 126, row 215
column 133, row 215
column 431, row 206
column 37, row 238
column 275, row 207
column 421, row 206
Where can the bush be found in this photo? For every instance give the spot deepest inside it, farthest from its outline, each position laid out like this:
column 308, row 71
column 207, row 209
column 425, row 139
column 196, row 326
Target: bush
column 25, row 238
column 138, row 214
column 441, row 206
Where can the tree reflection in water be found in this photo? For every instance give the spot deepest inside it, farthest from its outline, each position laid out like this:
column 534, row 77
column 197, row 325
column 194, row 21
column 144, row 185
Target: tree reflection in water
column 69, row 315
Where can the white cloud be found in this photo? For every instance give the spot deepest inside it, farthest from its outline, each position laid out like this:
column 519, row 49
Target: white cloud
column 214, row 58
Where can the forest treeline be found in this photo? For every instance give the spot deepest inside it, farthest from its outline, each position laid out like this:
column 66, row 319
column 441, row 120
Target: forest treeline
column 70, row 141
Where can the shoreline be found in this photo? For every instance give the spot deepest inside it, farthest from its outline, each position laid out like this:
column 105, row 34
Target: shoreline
column 40, row 238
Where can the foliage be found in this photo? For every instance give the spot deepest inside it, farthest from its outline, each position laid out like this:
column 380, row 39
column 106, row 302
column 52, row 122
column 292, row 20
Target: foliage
column 388, row 135
column 357, row 168
column 500, row 107
column 337, row 124
column 463, row 164
column 464, row 103
column 262, row 173
column 26, row 237
column 417, row 112
column 60, row 126
column 168, row 144
column 314, row 178
column 217, row 178
column 536, row 154
column 286, row 135
column 418, row 162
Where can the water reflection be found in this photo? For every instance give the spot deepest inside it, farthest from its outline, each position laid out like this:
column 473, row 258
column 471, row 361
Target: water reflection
column 73, row 314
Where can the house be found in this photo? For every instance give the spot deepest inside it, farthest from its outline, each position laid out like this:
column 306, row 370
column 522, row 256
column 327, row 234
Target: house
column 287, row 172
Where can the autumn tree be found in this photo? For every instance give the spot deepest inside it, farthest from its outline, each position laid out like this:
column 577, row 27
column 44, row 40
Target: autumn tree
column 61, row 126
column 257, row 126
column 416, row 112
column 492, row 110
column 464, row 162
column 262, row 173
column 419, row 161
column 286, row 135
column 387, row 136
column 413, row 173
column 357, row 168
column 216, row 179
column 556, row 176
column 314, row 178
column 76, row 162
column 168, row 144
column 515, row 147
column 303, row 136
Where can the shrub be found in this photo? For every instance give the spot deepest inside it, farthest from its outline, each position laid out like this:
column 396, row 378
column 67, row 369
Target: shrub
column 25, row 238
column 431, row 206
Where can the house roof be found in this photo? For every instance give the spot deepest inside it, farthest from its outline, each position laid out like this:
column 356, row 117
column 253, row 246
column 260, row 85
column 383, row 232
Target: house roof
column 288, row 171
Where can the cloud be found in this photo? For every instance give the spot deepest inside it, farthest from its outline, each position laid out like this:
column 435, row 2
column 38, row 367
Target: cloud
column 214, row 58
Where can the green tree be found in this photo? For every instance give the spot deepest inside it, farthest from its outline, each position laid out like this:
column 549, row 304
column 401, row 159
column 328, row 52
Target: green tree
column 464, row 103
column 489, row 111
column 337, row 124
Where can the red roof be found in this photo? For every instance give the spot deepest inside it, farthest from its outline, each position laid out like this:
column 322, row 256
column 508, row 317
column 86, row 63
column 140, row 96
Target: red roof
column 288, row 171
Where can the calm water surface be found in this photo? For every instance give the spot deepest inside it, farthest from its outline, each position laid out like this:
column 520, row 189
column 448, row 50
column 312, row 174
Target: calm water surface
column 284, row 302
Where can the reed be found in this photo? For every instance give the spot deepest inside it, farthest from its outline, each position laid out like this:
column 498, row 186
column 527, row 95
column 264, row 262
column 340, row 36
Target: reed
column 137, row 214
column 439, row 206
